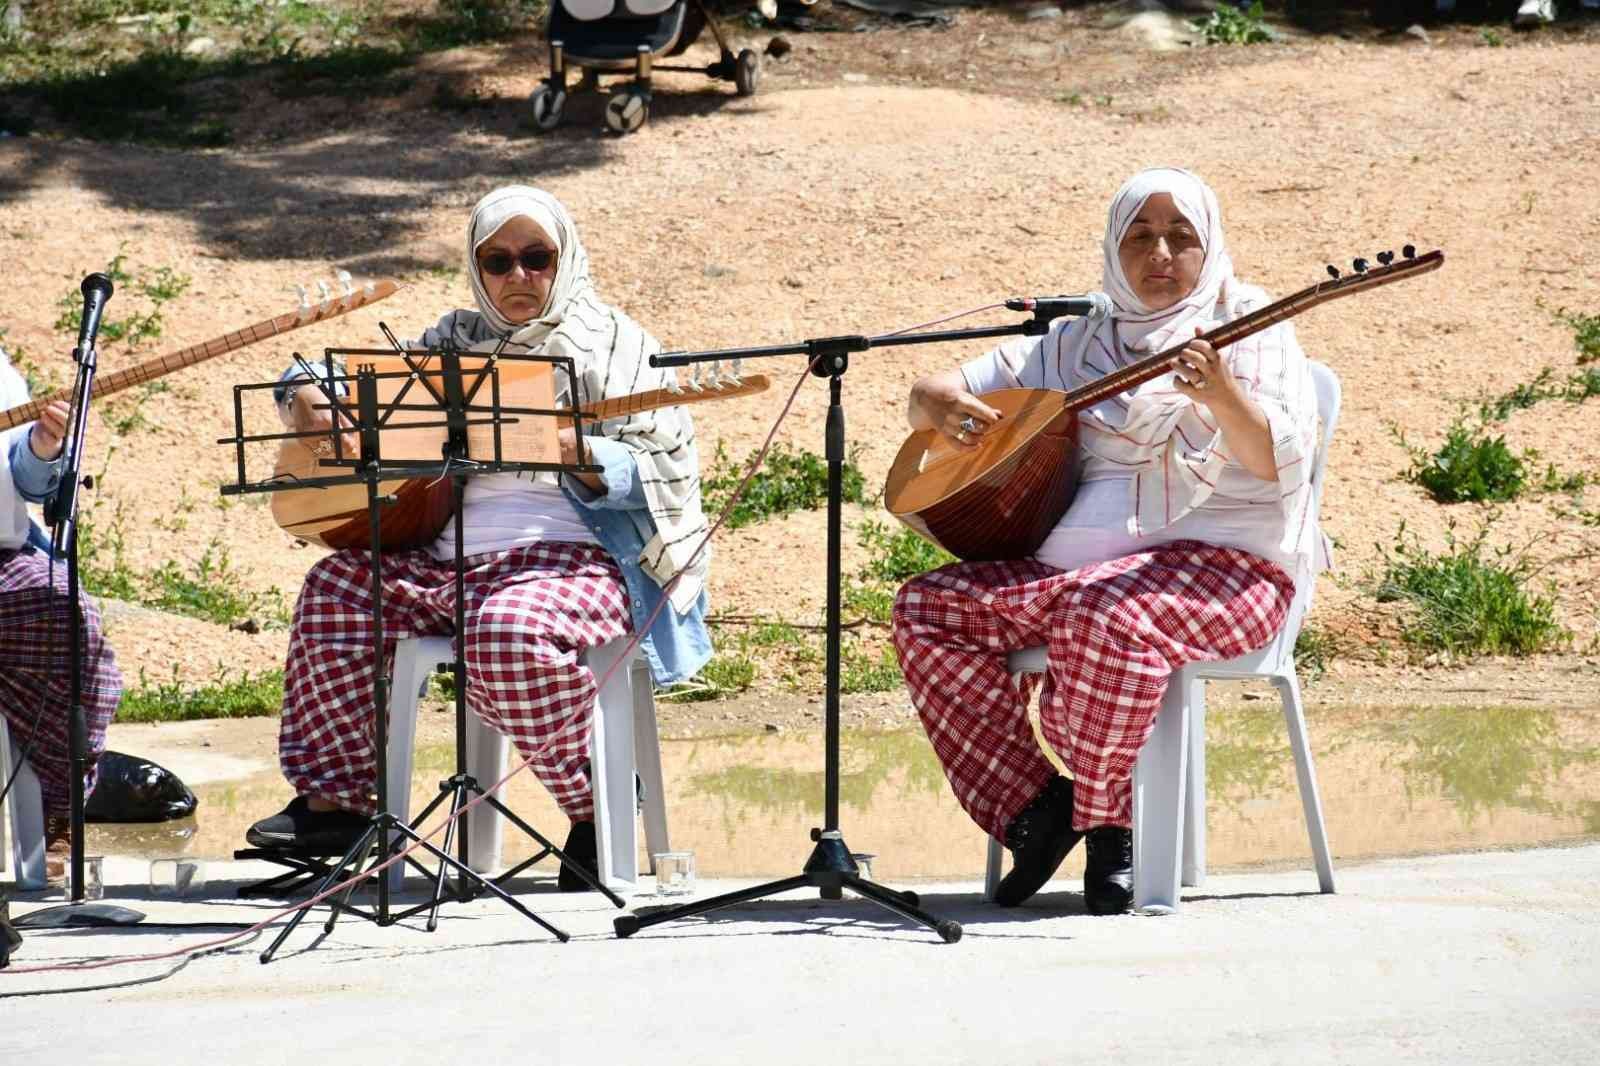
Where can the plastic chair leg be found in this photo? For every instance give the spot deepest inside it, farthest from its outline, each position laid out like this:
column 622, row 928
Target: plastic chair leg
column 414, row 660
column 991, row 871
column 1310, row 798
column 1194, row 812
column 611, row 761
column 1159, row 788
column 486, row 763
column 647, row 750
column 25, row 809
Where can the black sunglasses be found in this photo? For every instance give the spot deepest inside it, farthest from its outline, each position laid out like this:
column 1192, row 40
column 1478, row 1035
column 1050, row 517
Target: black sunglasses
column 533, row 260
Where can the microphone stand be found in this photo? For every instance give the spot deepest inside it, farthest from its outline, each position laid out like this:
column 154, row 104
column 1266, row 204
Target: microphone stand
column 61, row 514
column 831, row 866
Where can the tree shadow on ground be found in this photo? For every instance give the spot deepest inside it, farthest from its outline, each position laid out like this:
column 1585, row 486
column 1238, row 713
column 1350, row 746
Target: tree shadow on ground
column 355, row 196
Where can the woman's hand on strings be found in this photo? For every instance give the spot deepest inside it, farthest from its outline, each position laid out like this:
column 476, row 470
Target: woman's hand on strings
column 305, row 417
column 568, row 437
column 942, row 402
column 49, row 431
column 1202, row 374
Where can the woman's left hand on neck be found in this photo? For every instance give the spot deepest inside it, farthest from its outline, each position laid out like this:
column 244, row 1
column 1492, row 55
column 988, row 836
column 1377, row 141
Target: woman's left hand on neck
column 1204, row 376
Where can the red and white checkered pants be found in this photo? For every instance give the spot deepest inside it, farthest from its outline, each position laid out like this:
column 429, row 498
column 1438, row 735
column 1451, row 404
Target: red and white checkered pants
column 530, row 612
column 35, row 685
column 1114, row 632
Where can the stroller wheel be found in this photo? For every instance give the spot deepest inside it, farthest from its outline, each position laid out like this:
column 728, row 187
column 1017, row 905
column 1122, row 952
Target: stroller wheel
column 545, row 106
column 747, row 72
column 626, row 110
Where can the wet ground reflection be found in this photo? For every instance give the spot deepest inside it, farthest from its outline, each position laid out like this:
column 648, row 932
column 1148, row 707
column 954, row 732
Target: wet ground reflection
column 1393, row 783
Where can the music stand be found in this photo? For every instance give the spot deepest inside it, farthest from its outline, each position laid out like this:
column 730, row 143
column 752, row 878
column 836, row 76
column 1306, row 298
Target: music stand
column 831, row 866
column 439, row 378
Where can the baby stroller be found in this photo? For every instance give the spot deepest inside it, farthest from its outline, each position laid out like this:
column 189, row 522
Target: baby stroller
column 620, row 35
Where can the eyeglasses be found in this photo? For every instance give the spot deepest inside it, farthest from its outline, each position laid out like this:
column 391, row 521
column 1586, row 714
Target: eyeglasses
column 532, row 260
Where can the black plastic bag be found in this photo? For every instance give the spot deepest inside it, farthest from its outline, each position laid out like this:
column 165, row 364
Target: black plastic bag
column 131, row 789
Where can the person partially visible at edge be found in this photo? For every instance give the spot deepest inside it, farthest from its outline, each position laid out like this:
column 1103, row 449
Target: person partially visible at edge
column 35, row 678
column 555, row 565
column 1194, row 509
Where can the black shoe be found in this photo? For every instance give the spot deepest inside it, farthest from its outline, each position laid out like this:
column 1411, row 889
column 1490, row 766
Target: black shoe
column 580, row 848
column 1039, row 838
column 1108, row 870
column 299, row 828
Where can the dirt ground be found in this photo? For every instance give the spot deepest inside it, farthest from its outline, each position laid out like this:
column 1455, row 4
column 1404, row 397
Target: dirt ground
column 879, row 180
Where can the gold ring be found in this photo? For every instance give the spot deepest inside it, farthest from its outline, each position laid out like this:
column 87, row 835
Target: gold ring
column 961, row 435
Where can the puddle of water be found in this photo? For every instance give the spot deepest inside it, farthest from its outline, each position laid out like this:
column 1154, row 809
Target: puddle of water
column 1393, row 783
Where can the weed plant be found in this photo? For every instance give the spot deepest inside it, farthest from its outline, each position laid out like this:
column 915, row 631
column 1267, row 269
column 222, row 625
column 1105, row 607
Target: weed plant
column 1585, row 334
column 1313, row 650
column 1469, row 466
column 1469, row 599
column 247, row 696
column 788, row 481
column 1235, row 24
column 160, row 287
column 724, row 675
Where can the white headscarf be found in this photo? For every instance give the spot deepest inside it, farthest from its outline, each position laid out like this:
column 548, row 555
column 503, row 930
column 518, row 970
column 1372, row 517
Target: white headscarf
column 1168, row 443
column 571, row 280
column 1141, row 328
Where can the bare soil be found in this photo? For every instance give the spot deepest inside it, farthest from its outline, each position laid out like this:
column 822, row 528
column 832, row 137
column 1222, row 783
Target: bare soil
column 878, row 180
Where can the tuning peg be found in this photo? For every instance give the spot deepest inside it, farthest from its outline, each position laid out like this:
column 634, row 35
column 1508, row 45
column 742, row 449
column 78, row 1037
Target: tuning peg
column 1385, row 258
column 305, row 300
column 694, row 379
column 1333, row 272
column 324, row 292
column 1359, row 265
column 345, row 282
column 1409, row 251
column 736, row 375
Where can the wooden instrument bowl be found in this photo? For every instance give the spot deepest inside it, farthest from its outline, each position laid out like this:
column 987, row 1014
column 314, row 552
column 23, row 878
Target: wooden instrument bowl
column 1001, row 499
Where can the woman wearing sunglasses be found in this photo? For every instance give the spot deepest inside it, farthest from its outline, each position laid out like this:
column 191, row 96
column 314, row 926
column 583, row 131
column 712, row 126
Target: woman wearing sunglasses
column 555, row 565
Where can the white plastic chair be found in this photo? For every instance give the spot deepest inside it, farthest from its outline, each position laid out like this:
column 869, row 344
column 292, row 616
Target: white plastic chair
column 25, row 821
column 1169, row 780
column 623, row 742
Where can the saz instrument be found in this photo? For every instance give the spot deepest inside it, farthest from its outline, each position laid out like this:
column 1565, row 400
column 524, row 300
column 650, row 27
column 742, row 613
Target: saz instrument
column 1001, row 499
column 335, row 516
column 305, row 315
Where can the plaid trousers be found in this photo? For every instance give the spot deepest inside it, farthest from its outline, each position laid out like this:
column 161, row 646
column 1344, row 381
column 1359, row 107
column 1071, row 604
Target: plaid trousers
column 1114, row 633
column 529, row 613
column 35, row 685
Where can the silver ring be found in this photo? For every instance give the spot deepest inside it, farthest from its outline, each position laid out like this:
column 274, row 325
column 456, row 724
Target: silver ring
column 969, row 424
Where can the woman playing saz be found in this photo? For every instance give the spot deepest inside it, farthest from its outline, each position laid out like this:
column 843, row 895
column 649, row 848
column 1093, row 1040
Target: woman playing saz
column 1192, row 512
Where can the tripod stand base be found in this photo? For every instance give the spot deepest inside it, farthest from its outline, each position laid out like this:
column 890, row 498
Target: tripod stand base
column 829, row 868
column 79, row 915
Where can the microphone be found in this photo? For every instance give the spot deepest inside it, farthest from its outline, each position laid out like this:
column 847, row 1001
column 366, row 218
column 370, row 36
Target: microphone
column 1088, row 305
column 96, row 290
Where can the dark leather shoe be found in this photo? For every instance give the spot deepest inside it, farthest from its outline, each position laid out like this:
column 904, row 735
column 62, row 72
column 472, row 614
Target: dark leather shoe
column 299, row 828
column 1108, row 870
column 580, row 848
column 1039, row 838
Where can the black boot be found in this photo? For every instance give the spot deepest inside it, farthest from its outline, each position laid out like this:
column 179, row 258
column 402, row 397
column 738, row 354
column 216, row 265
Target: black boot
column 1039, row 838
column 580, row 848
column 1108, row 870
column 299, row 828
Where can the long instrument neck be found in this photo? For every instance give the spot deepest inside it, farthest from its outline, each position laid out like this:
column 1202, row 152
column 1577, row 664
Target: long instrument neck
column 199, row 353
column 1153, row 366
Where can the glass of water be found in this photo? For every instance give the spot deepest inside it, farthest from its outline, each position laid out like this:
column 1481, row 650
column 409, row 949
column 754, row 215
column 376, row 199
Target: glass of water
column 180, row 876
column 674, row 873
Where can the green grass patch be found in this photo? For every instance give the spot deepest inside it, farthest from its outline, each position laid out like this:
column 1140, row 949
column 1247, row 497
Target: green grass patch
column 247, row 696
column 1314, row 649
column 1585, row 334
column 723, row 676
column 1470, row 465
column 1235, row 24
column 862, row 671
column 1468, row 599
column 788, row 481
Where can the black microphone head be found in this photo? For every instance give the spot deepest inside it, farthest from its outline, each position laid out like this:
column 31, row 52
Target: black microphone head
column 97, row 282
